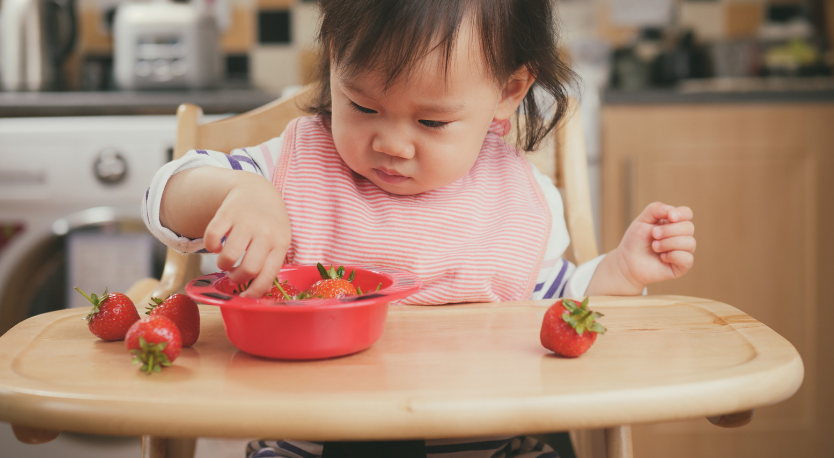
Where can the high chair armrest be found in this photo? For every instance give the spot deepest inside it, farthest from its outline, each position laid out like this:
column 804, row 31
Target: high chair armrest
column 179, row 269
column 140, row 291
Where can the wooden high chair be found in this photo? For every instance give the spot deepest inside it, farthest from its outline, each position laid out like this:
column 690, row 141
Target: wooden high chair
column 266, row 122
column 261, row 124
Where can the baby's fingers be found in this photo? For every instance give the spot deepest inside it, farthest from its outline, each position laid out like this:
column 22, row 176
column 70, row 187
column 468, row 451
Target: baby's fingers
column 680, row 261
column 684, row 228
column 679, row 214
column 250, row 265
column 681, row 243
column 215, row 231
column 233, row 248
column 262, row 267
column 658, row 212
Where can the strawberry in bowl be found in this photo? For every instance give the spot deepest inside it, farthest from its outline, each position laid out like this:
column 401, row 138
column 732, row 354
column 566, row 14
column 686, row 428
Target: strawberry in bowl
column 307, row 328
column 333, row 284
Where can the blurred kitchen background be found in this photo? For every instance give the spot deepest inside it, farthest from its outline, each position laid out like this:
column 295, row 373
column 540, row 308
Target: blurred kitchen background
column 723, row 105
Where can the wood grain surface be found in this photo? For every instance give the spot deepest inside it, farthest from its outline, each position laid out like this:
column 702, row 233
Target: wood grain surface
column 437, row 372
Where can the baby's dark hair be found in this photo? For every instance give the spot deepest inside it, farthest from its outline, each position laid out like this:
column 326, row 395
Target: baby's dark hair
column 391, row 36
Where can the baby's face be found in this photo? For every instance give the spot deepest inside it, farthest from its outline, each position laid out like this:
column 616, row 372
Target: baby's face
column 425, row 131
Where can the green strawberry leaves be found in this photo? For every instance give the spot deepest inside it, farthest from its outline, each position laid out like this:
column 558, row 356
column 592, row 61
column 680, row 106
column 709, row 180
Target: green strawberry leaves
column 325, row 274
column 95, row 300
column 581, row 318
column 242, row 287
column 150, row 355
column 155, row 302
column 333, row 274
column 359, row 290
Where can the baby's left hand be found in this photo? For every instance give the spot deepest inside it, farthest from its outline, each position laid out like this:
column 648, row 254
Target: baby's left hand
column 659, row 245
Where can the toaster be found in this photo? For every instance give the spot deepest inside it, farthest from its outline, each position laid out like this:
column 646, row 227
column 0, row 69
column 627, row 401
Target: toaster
column 165, row 45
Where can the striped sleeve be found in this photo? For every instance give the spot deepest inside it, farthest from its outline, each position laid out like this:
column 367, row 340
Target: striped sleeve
column 259, row 159
column 499, row 447
column 559, row 277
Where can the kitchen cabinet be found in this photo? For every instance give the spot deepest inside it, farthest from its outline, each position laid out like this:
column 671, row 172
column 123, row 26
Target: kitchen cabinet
column 759, row 176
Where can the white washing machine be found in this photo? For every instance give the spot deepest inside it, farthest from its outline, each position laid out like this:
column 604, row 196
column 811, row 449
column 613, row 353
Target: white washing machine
column 70, row 190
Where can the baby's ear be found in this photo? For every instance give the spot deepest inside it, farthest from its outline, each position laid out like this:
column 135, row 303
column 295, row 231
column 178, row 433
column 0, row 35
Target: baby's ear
column 514, row 92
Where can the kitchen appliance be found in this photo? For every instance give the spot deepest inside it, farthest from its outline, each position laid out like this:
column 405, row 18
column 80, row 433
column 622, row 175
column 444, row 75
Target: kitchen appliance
column 35, row 38
column 70, row 190
column 165, row 45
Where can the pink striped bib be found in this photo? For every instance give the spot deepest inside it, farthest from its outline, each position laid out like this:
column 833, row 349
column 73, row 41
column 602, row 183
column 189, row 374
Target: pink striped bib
column 479, row 239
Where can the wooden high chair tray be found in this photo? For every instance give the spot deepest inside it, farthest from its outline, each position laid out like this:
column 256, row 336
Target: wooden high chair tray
column 437, row 372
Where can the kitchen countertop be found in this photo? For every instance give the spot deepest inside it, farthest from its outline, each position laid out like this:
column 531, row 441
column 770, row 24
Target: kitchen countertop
column 730, row 90
column 106, row 103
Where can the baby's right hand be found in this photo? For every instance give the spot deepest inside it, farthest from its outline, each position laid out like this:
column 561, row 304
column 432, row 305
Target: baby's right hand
column 255, row 223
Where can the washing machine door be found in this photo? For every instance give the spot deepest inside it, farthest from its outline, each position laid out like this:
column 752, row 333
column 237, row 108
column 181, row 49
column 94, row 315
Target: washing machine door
column 93, row 249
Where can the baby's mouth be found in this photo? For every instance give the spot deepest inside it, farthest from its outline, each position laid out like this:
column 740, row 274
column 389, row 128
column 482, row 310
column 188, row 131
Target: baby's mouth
column 389, row 176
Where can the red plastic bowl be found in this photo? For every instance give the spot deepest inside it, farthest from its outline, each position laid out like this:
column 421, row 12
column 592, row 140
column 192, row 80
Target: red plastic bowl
column 310, row 328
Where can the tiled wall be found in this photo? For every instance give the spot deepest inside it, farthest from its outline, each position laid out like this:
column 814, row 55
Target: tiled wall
column 268, row 42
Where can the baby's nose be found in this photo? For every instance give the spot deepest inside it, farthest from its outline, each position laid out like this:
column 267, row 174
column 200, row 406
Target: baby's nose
column 393, row 144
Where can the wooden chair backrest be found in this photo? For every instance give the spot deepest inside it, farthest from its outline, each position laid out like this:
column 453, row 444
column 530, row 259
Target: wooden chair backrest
column 261, row 124
column 572, row 178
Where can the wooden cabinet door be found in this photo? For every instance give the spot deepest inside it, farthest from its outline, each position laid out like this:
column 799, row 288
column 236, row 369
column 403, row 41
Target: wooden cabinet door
column 758, row 178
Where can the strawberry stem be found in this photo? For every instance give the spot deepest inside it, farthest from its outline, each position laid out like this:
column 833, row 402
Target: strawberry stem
column 278, row 285
column 95, row 300
column 581, row 318
column 150, row 355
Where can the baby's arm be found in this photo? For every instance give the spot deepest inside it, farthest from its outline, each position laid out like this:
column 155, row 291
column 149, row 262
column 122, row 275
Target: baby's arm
column 187, row 202
column 659, row 245
column 246, row 209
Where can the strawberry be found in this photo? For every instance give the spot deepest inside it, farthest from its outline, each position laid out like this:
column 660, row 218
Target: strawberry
column 111, row 316
column 242, row 287
column 569, row 329
column 154, row 342
column 332, row 285
column 281, row 291
column 183, row 311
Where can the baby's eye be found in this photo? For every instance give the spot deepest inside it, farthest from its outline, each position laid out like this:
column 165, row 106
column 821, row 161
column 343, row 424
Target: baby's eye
column 433, row 124
column 361, row 109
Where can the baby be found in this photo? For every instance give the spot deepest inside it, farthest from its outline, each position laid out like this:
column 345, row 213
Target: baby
column 402, row 163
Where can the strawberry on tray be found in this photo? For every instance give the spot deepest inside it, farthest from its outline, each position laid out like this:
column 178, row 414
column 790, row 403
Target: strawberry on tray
column 112, row 315
column 569, row 329
column 183, row 311
column 155, row 342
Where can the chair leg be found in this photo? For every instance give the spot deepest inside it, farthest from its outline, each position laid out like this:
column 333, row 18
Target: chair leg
column 618, row 442
column 164, row 447
column 612, row 442
column 154, row 447
column 589, row 443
